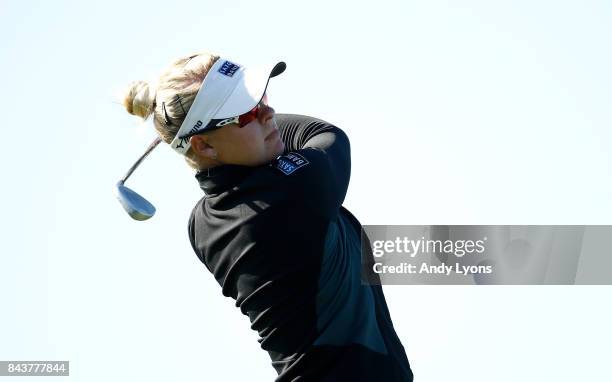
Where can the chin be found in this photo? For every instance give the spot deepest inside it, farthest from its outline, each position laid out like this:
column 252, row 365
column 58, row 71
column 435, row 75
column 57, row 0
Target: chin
column 280, row 148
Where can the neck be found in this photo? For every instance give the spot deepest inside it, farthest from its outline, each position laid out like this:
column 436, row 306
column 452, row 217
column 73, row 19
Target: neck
column 199, row 163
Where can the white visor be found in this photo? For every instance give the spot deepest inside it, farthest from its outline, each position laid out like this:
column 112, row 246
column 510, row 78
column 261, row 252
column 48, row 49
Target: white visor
column 228, row 90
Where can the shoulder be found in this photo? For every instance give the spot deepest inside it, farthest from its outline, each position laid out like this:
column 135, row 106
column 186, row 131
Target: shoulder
column 298, row 118
column 296, row 129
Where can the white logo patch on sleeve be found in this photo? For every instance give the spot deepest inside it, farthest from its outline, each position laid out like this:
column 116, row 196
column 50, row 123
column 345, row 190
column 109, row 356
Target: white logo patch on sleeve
column 290, row 162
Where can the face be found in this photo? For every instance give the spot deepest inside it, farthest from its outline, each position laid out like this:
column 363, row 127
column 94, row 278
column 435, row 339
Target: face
column 254, row 144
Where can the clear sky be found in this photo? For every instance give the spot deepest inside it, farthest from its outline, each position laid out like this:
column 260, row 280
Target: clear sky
column 459, row 112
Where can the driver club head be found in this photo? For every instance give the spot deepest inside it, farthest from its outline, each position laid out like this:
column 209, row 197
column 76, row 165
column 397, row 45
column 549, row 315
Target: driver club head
column 135, row 205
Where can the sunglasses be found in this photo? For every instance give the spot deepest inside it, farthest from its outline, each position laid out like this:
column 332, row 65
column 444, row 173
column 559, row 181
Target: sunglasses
column 252, row 115
column 241, row 120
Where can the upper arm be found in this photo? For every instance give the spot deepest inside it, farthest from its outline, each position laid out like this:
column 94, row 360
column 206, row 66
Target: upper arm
column 335, row 148
column 322, row 165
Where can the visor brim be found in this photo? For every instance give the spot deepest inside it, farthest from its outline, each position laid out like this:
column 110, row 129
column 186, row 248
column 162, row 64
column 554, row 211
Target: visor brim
column 250, row 90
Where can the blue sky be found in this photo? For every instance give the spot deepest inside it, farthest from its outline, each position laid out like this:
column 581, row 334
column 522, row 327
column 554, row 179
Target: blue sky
column 472, row 112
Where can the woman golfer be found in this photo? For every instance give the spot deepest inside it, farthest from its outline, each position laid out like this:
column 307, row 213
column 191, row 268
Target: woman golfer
column 271, row 227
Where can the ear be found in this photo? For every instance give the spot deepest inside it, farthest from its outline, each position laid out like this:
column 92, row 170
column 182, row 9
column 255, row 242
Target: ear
column 201, row 147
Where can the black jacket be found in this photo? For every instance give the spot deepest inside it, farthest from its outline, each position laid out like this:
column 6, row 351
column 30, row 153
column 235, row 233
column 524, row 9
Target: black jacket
column 279, row 242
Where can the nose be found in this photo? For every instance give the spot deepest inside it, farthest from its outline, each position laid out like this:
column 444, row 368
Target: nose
column 265, row 113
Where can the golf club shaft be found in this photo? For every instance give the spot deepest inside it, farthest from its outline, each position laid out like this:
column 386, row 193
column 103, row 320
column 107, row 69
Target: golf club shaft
column 135, row 165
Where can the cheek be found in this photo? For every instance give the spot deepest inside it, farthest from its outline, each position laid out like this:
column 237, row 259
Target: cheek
column 248, row 146
column 254, row 141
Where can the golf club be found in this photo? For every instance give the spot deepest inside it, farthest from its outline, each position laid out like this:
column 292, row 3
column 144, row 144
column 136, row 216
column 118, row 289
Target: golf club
column 135, row 205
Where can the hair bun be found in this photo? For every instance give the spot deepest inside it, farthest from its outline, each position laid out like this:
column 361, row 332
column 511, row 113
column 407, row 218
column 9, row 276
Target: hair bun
column 139, row 99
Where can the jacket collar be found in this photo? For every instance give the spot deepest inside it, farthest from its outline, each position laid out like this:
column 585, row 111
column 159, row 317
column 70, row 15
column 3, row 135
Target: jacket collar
column 221, row 178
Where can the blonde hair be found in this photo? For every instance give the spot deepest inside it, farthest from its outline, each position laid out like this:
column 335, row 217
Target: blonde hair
column 175, row 91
